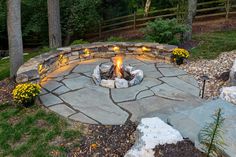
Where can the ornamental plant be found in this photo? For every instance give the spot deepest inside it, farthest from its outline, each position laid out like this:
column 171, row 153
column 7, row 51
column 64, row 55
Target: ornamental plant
column 180, row 53
column 26, row 93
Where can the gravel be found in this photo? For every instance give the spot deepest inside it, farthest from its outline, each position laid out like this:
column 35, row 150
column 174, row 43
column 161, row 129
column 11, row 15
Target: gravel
column 217, row 70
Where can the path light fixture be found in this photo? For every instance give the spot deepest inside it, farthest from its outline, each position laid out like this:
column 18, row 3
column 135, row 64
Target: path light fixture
column 204, row 78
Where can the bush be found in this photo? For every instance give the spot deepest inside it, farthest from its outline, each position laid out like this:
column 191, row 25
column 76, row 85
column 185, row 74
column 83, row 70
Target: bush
column 25, row 93
column 165, row 31
column 115, row 39
column 80, row 41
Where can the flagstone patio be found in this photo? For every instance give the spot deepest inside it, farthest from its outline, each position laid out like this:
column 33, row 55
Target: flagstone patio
column 165, row 89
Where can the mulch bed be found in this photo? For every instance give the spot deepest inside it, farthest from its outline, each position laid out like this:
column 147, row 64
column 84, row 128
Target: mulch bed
column 106, row 141
column 6, row 87
column 181, row 149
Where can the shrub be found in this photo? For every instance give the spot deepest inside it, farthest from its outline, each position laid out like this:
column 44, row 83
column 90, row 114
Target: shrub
column 211, row 136
column 80, row 41
column 165, row 31
column 25, row 93
column 115, row 39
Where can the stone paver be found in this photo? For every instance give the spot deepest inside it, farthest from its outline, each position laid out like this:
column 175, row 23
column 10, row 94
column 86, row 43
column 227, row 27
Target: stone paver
column 82, row 118
column 155, row 95
column 172, row 71
column 190, row 122
column 50, row 99
column 78, row 82
column 181, row 85
column 62, row 109
column 95, row 102
column 144, row 94
column 189, row 79
column 51, row 85
column 150, row 82
column 61, row 90
column 126, row 94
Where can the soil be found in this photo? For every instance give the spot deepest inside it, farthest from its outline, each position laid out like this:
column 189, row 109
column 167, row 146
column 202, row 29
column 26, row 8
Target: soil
column 181, row 149
column 6, row 87
column 106, row 141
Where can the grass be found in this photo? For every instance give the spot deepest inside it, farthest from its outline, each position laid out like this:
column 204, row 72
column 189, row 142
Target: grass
column 212, row 44
column 5, row 65
column 34, row 132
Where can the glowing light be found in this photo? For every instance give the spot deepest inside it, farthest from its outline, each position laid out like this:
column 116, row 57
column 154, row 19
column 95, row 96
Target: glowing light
column 86, row 51
column 145, row 49
column 118, row 62
column 40, row 68
column 116, row 49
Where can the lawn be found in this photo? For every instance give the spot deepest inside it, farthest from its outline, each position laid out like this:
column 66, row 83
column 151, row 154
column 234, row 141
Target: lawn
column 34, row 132
column 212, row 44
column 5, row 66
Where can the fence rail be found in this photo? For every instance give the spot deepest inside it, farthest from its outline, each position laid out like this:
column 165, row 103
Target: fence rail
column 208, row 9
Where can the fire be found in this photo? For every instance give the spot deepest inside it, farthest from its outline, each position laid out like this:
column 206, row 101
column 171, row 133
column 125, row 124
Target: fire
column 118, row 62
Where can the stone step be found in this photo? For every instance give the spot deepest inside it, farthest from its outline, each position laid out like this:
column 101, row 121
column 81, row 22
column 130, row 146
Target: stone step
column 190, row 122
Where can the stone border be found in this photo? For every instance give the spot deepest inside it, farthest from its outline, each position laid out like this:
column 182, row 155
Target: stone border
column 38, row 67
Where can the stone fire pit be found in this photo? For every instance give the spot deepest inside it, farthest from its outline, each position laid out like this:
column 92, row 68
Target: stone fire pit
column 73, row 81
column 117, row 75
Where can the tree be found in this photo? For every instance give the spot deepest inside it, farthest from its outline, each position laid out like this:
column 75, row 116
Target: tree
column 147, row 7
column 192, row 8
column 54, row 26
column 14, row 35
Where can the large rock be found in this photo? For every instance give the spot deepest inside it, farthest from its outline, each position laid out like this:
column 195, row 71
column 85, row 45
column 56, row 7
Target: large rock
column 152, row 132
column 229, row 94
column 233, row 74
column 108, row 83
column 190, row 122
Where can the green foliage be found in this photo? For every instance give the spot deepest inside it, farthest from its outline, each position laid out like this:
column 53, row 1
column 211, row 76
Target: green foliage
column 34, row 132
column 115, row 39
column 211, row 135
column 165, row 31
column 79, row 16
column 80, row 41
column 212, row 44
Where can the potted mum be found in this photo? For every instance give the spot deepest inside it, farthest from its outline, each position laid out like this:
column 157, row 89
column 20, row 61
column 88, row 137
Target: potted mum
column 26, row 93
column 179, row 54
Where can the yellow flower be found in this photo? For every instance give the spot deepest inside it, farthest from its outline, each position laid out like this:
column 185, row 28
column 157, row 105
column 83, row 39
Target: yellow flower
column 24, row 93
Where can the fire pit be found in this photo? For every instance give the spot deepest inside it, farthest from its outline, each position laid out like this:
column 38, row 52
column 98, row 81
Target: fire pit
column 117, row 75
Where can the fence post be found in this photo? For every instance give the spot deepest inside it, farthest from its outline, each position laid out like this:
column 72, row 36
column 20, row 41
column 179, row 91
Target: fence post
column 227, row 9
column 134, row 20
column 100, row 30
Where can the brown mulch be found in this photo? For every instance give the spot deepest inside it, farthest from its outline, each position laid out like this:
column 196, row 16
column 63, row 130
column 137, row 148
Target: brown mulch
column 106, row 141
column 181, row 149
column 6, row 87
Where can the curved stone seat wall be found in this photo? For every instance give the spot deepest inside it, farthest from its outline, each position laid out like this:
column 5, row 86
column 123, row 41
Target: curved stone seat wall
column 38, row 67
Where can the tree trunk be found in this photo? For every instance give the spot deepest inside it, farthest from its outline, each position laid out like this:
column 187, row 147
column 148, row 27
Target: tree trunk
column 147, row 7
column 54, row 26
column 14, row 35
column 192, row 8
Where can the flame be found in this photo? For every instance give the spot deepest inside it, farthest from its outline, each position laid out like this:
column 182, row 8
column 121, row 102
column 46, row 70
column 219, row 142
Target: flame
column 118, row 62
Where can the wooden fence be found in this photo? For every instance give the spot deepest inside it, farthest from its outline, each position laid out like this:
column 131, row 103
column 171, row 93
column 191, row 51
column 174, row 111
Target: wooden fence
column 210, row 9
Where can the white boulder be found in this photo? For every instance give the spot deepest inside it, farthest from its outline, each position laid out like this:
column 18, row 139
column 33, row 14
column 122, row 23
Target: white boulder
column 108, row 83
column 233, row 74
column 96, row 75
column 152, row 132
column 121, row 83
column 228, row 94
